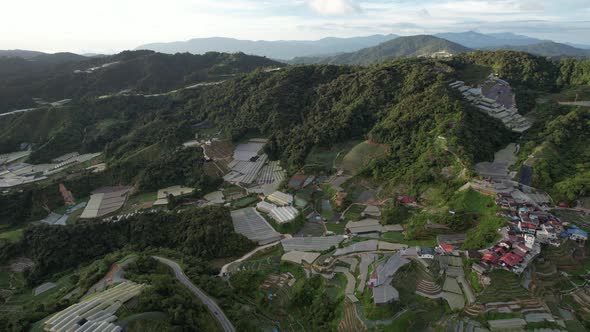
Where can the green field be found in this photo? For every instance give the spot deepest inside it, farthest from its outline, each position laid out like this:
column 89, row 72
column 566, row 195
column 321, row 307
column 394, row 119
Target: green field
column 505, row 286
column 244, row 202
column 337, row 228
column 11, row 234
column 471, row 201
column 473, row 74
column 395, row 237
column 354, row 212
column 328, row 158
column 360, row 155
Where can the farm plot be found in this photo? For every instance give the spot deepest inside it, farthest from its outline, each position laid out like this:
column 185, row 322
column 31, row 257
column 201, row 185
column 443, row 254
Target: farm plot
column 328, row 158
column 360, row 155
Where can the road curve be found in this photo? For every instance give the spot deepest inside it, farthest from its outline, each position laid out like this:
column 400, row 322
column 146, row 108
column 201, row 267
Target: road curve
column 211, row 305
column 246, row 256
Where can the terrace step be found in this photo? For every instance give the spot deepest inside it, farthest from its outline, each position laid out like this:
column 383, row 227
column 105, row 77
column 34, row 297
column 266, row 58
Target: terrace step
column 428, row 287
column 474, row 310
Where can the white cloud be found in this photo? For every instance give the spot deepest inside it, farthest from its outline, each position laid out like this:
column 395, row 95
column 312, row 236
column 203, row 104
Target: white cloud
column 335, row 7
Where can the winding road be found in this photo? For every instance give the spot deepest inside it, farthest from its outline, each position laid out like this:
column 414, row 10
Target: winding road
column 209, row 302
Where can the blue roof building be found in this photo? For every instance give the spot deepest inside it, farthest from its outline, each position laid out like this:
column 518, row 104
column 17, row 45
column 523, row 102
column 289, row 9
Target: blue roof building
column 575, row 233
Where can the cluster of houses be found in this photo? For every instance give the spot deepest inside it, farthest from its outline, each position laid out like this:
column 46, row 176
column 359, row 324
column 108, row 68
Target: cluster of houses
column 546, row 228
column 496, row 100
column 522, row 239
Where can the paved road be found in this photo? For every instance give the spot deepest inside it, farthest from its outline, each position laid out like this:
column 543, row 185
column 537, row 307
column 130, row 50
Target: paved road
column 213, row 307
column 575, row 103
column 246, row 256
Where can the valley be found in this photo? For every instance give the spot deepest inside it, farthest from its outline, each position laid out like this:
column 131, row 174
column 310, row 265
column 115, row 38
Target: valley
column 389, row 189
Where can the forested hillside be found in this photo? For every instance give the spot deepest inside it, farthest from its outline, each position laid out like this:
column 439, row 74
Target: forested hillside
column 205, row 233
column 141, row 71
column 405, row 104
column 422, row 45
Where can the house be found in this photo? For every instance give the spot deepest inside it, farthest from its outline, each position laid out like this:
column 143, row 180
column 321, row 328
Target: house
column 372, row 281
column 407, row 200
column 510, row 260
column 446, row 248
column 527, row 227
column 546, row 233
column 520, row 249
column 577, row 234
column 490, row 257
column 280, row 198
column 425, row 252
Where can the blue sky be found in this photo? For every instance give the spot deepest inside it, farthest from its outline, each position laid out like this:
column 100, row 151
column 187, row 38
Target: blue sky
column 114, row 25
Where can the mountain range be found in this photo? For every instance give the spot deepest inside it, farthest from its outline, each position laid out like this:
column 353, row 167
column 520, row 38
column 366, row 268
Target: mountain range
column 282, row 49
column 422, row 45
column 309, row 51
column 328, row 47
column 52, row 78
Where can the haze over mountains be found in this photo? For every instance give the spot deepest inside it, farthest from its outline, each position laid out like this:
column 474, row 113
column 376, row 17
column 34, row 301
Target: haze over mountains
column 290, row 49
column 335, row 50
column 282, row 49
column 423, row 45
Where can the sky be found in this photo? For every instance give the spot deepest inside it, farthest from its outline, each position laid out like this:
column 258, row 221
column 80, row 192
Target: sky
column 109, row 26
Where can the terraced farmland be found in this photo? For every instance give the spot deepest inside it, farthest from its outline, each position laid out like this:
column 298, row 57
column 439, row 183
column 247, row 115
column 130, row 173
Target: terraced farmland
column 505, row 286
column 350, row 322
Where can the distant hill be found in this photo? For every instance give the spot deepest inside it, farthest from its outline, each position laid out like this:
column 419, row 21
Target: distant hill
column 474, row 39
column 24, row 54
column 40, row 57
column 548, row 48
column 422, row 45
column 282, row 49
column 140, row 71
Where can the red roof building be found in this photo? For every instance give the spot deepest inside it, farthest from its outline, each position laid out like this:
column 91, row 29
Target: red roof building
column 490, row 257
column 510, row 259
column 500, row 251
column 447, row 248
column 406, row 200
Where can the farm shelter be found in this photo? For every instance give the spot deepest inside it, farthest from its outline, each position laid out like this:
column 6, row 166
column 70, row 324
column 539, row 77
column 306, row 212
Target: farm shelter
column 104, row 201
column 252, row 225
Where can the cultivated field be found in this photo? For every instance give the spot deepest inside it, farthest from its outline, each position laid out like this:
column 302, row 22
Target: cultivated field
column 360, row 155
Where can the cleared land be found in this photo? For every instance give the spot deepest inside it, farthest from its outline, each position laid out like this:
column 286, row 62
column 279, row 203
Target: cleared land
column 327, row 158
column 360, row 155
